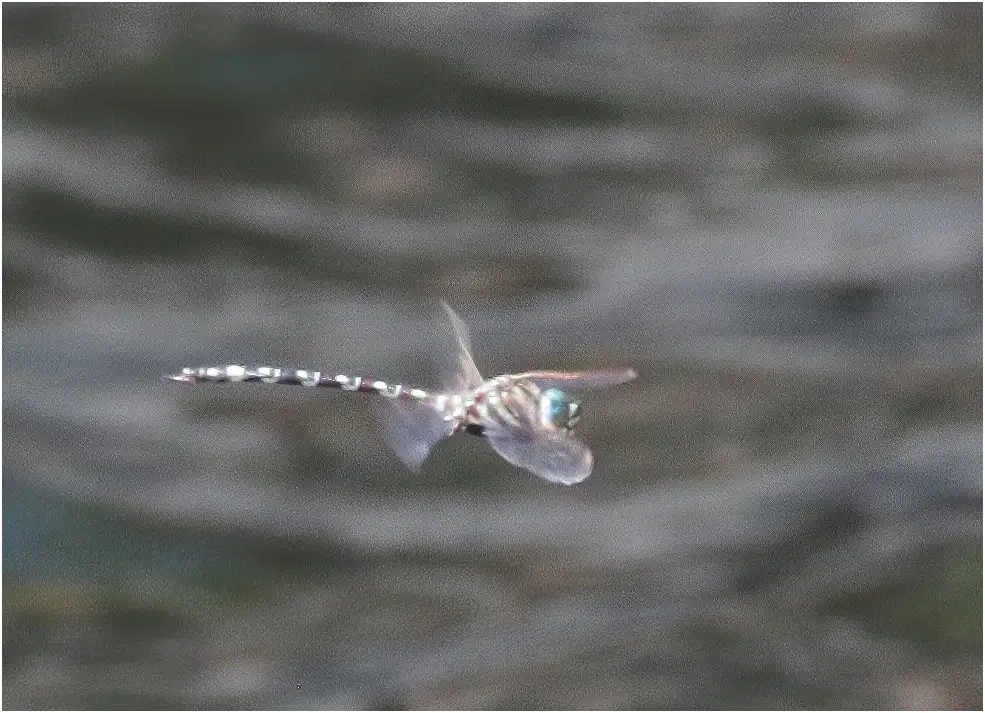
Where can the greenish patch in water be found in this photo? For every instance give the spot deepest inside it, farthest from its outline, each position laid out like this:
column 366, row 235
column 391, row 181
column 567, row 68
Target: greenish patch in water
column 942, row 613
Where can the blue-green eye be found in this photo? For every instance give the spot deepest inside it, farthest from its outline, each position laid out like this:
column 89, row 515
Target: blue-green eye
column 558, row 410
column 557, row 402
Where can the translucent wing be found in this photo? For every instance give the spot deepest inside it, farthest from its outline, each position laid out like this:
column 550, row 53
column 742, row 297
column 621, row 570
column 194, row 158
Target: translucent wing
column 411, row 429
column 466, row 373
column 553, row 455
column 574, row 380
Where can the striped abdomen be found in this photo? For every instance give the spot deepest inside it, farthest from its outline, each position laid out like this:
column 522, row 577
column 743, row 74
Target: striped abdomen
column 297, row 377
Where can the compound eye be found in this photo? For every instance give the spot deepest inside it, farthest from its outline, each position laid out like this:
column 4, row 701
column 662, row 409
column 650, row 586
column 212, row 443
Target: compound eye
column 555, row 408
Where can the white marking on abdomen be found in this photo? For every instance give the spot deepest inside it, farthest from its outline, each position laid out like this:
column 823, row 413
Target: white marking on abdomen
column 235, row 373
column 350, row 384
column 268, row 374
column 308, row 379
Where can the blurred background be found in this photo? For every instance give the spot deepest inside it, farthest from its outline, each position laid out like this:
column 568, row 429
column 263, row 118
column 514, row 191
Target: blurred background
column 772, row 212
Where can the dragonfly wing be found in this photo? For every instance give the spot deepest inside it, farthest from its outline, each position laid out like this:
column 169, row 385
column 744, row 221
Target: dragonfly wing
column 575, row 380
column 466, row 373
column 411, row 429
column 553, row 455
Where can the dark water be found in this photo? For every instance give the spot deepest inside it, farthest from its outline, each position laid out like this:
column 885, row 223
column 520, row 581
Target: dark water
column 774, row 213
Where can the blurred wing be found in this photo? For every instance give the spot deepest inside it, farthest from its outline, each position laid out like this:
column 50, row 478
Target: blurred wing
column 466, row 374
column 554, row 456
column 574, row 380
column 410, row 428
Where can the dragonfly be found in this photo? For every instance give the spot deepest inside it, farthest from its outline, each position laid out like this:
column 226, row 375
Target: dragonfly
column 527, row 418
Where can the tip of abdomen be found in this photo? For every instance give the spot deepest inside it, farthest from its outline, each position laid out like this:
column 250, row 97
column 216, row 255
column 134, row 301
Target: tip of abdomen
column 185, row 377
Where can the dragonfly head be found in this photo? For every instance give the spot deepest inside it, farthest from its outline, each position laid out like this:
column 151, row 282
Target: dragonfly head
column 558, row 410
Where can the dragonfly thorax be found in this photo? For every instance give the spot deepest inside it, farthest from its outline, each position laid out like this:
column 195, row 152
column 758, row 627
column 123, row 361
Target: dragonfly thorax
column 518, row 403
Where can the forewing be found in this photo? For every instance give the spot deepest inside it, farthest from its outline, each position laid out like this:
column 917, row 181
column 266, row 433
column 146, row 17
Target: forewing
column 411, row 429
column 575, row 380
column 553, row 455
column 466, row 373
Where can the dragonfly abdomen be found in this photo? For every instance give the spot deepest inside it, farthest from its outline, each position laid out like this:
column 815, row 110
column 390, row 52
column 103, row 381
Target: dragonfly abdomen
column 297, row 377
